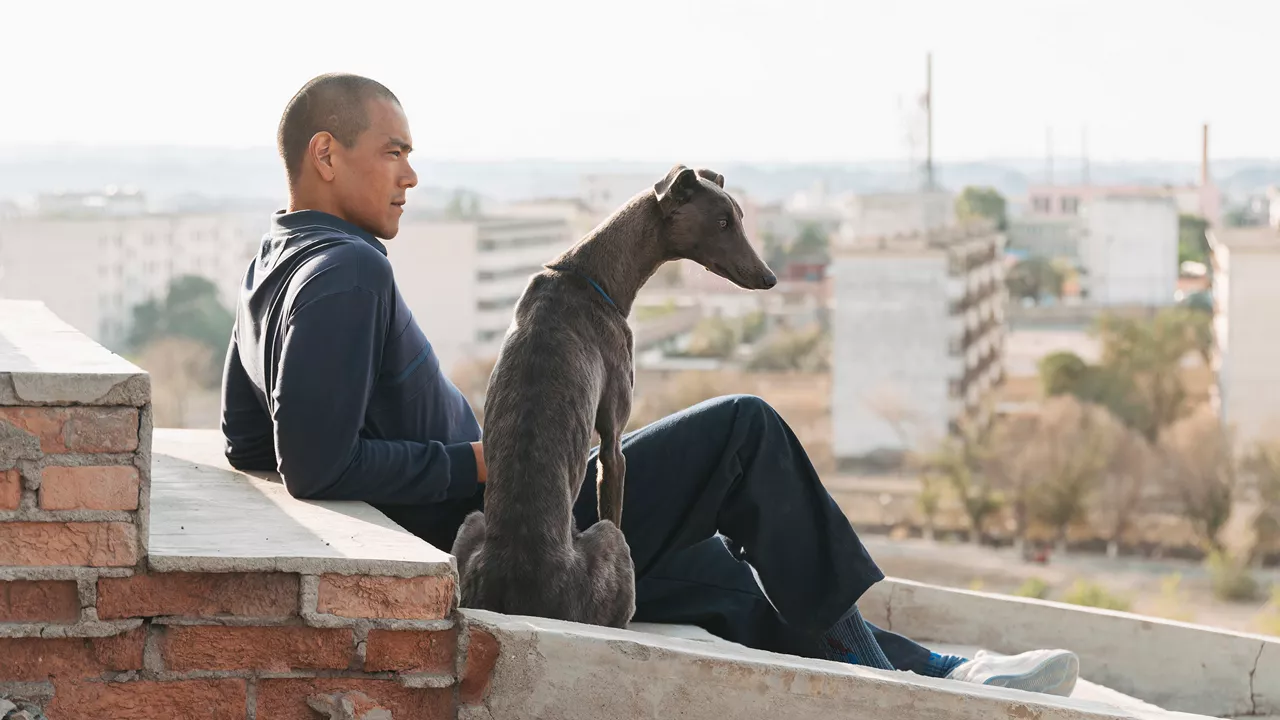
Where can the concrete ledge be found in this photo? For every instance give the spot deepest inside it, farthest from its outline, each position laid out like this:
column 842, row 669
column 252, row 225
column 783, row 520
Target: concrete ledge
column 1179, row 666
column 48, row 362
column 208, row 517
column 551, row 669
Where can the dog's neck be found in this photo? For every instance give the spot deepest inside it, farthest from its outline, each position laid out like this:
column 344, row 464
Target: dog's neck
column 621, row 253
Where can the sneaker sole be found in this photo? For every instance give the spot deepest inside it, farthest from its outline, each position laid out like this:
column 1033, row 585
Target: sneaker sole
column 1055, row 676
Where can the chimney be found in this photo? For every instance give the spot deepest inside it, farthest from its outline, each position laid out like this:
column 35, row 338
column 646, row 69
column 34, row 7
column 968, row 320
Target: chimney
column 1204, row 158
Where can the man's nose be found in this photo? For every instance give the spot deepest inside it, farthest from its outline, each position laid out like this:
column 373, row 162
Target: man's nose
column 410, row 180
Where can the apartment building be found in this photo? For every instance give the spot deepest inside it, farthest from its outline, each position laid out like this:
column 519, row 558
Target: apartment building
column 91, row 263
column 1129, row 250
column 1247, row 330
column 918, row 334
column 462, row 279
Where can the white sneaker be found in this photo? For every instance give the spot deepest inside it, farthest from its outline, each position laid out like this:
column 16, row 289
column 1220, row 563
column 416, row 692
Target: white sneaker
column 1044, row 671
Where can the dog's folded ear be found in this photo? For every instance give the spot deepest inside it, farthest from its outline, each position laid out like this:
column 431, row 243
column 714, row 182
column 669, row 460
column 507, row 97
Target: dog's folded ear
column 675, row 189
column 711, row 175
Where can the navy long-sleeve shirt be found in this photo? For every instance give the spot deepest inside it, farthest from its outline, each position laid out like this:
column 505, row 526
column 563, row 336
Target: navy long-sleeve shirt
column 329, row 380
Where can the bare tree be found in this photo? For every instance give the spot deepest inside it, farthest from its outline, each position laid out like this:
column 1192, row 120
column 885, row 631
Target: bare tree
column 1262, row 464
column 1074, row 445
column 961, row 460
column 1014, row 469
column 1201, row 475
column 1124, row 480
column 179, row 367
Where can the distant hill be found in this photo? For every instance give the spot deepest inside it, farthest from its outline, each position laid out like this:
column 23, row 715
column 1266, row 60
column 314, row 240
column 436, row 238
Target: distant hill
column 193, row 176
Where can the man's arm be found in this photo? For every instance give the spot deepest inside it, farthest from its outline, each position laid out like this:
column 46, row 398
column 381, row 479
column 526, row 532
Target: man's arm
column 326, row 375
column 245, row 423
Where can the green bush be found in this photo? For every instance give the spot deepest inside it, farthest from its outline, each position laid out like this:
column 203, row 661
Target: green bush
column 1034, row 588
column 1230, row 580
column 1091, row 594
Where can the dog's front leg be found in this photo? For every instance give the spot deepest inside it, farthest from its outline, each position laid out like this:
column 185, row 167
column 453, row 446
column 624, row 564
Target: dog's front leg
column 615, row 410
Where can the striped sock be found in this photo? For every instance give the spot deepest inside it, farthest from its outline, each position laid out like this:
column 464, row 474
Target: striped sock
column 850, row 641
column 940, row 666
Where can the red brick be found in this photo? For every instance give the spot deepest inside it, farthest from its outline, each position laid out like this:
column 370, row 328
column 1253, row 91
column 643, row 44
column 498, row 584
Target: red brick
column 38, row 659
column 477, row 673
column 96, row 544
column 39, row 601
column 286, row 699
column 149, row 700
column 363, row 596
column 274, row 649
column 101, row 430
column 259, row 595
column 77, row 429
column 46, row 423
column 113, row 487
column 10, row 489
column 411, row 651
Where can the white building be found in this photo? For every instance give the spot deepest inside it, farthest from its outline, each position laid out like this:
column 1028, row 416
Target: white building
column 1247, row 330
column 918, row 332
column 462, row 279
column 92, row 268
column 1129, row 250
column 889, row 214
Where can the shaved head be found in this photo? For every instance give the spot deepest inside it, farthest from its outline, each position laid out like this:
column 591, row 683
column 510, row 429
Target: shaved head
column 335, row 103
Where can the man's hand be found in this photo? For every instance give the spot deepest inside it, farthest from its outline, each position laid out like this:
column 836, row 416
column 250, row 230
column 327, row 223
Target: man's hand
column 482, row 473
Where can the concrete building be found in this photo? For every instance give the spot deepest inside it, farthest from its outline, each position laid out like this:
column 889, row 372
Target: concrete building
column 1064, row 201
column 1247, row 330
column 92, row 263
column 1046, row 236
column 918, row 334
column 1129, row 250
column 889, row 214
column 462, row 279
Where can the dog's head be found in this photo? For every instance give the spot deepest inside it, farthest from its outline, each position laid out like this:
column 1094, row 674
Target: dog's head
column 701, row 222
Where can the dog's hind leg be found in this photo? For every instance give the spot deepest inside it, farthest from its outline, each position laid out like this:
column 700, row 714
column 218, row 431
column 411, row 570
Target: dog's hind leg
column 610, row 582
column 469, row 539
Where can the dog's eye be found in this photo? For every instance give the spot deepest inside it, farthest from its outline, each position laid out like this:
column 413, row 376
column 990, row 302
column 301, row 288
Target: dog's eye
column 723, row 223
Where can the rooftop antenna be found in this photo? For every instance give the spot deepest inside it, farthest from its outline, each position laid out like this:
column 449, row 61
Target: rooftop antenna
column 1084, row 155
column 1204, row 156
column 1048, row 155
column 928, row 109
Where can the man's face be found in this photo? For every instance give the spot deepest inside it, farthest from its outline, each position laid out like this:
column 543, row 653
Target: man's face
column 370, row 178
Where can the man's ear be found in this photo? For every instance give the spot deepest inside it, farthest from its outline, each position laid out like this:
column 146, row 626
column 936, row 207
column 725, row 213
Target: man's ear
column 675, row 189
column 712, row 175
column 320, row 155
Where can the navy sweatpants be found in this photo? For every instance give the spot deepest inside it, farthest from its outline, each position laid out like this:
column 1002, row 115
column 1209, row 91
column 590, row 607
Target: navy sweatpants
column 712, row 493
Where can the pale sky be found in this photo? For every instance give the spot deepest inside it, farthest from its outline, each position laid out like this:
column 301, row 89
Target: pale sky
column 661, row 80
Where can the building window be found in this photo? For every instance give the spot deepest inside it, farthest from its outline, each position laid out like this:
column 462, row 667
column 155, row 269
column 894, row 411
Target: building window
column 1041, row 204
column 1070, row 205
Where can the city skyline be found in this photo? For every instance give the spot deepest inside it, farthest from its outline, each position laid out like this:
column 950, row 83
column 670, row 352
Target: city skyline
column 809, row 81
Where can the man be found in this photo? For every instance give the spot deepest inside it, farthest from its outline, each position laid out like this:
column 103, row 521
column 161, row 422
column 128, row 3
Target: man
column 329, row 380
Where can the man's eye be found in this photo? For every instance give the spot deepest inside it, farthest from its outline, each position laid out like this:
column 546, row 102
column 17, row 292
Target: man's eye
column 396, row 153
column 723, row 223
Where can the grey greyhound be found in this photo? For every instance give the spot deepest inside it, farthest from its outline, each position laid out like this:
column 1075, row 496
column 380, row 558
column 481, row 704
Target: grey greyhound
column 565, row 369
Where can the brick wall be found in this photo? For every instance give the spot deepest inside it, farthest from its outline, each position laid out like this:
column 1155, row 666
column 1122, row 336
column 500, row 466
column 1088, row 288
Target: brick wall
column 244, row 645
column 87, row 630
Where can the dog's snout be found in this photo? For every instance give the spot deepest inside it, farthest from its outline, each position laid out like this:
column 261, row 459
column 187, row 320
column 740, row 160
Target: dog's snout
column 770, row 280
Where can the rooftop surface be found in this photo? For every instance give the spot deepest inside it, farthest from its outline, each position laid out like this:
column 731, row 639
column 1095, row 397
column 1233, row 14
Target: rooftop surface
column 208, row 517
